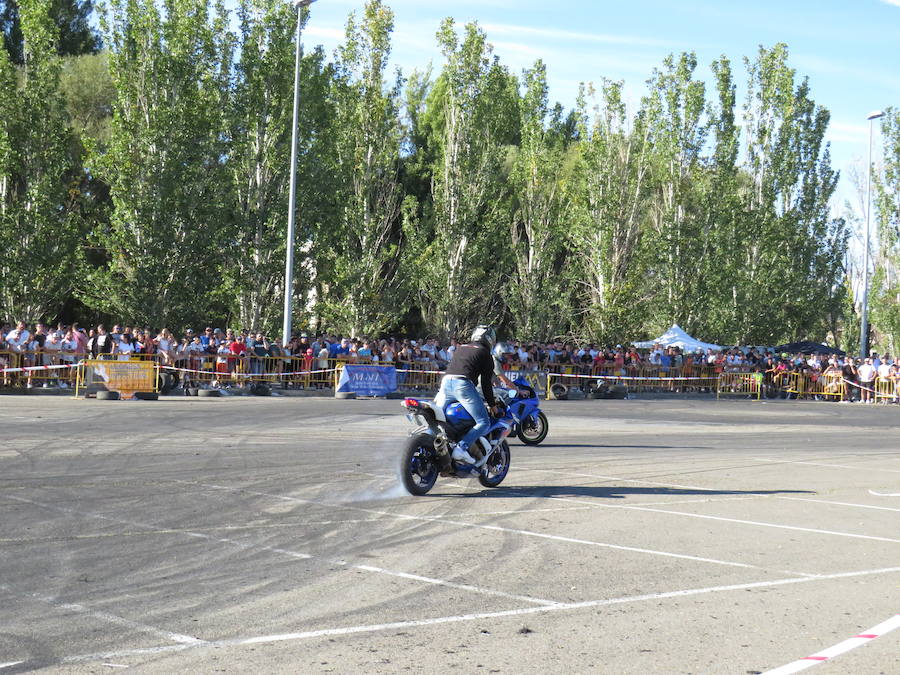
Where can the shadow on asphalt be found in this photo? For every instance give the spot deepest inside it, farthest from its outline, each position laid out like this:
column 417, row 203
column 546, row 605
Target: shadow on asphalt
column 640, row 447
column 611, row 492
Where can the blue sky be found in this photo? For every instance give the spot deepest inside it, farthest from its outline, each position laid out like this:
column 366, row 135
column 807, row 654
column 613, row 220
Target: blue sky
column 847, row 48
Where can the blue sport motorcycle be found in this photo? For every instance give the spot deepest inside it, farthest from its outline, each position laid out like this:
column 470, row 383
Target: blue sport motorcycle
column 427, row 454
column 530, row 422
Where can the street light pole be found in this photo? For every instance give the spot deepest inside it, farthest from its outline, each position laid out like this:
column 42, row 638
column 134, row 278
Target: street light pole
column 292, row 190
column 864, row 323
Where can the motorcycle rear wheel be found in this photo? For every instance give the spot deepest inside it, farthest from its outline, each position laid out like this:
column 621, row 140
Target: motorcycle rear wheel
column 533, row 432
column 419, row 465
column 493, row 473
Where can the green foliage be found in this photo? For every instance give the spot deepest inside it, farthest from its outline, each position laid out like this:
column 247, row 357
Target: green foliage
column 613, row 168
column 884, row 299
column 359, row 256
column 164, row 165
column 40, row 230
column 259, row 118
column 453, row 197
column 541, row 180
column 73, row 30
column 456, row 254
column 792, row 250
column 89, row 93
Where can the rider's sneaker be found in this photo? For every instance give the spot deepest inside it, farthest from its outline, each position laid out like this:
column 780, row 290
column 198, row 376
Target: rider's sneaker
column 460, row 455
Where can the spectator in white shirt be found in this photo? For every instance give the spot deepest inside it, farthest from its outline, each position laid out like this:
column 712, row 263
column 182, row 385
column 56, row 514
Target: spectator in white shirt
column 866, row 378
column 19, row 338
column 124, row 348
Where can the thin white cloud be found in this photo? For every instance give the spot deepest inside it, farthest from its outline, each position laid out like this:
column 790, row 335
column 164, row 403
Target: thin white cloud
column 560, row 34
column 331, row 34
column 841, row 132
column 816, row 64
column 895, row 3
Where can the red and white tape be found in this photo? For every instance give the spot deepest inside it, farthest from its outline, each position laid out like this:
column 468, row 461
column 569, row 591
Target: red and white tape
column 631, row 377
column 859, row 386
column 214, row 372
column 28, row 369
column 883, row 628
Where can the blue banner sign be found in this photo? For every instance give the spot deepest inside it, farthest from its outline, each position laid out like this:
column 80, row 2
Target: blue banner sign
column 368, row 380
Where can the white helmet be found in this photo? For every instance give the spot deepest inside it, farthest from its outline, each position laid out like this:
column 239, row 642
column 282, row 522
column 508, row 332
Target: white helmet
column 486, row 335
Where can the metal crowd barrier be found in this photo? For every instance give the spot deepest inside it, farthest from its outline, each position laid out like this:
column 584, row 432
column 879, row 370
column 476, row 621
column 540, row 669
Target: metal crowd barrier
column 887, row 390
column 637, row 379
column 746, row 384
column 44, row 368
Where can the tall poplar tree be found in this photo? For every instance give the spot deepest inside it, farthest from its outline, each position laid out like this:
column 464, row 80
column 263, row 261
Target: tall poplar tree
column 259, row 118
column 885, row 296
column 361, row 252
column 168, row 235
column 541, row 212
column 40, row 231
column 458, row 250
column 674, row 114
column 608, row 236
column 792, row 249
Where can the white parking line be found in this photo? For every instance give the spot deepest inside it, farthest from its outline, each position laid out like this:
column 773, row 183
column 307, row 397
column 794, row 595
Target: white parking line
column 842, row 647
column 495, row 528
column 10, row 664
column 835, row 466
column 302, row 556
column 828, row 501
column 105, row 616
column 588, row 604
column 757, row 523
column 707, row 517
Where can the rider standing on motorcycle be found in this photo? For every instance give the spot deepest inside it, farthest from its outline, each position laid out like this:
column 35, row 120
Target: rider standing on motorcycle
column 471, row 362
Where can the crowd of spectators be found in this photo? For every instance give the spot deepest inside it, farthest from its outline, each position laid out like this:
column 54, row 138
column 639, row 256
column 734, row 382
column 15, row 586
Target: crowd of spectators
column 253, row 352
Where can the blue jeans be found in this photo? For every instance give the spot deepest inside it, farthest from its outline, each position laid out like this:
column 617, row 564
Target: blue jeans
column 462, row 389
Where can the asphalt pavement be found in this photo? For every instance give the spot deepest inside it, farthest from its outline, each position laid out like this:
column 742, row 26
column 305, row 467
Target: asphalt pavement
column 272, row 535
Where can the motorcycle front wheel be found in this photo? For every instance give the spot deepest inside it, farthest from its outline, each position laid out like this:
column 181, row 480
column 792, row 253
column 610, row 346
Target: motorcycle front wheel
column 419, row 465
column 494, row 471
column 534, row 431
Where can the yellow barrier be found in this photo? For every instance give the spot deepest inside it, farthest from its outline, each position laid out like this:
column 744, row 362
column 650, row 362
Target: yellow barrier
column 38, row 378
column 739, row 384
column 817, row 386
column 887, row 390
column 640, row 379
column 826, row 385
column 126, row 377
column 418, row 375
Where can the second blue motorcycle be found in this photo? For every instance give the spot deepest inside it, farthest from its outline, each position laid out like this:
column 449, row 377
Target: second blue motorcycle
column 525, row 408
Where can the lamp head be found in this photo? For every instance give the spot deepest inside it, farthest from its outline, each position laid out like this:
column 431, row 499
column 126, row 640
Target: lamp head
column 874, row 115
column 302, row 3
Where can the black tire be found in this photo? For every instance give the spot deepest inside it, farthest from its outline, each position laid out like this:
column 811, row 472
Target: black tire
column 559, row 391
column 146, row 395
column 166, row 382
column 107, row 395
column 534, row 432
column 262, row 389
column 493, row 473
column 192, row 391
column 346, row 395
column 419, row 464
column 209, row 393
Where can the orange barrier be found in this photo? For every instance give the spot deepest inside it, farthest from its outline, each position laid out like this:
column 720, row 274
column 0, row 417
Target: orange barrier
column 126, row 376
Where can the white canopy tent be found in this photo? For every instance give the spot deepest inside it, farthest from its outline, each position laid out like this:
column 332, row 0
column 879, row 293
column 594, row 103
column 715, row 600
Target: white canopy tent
column 676, row 337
